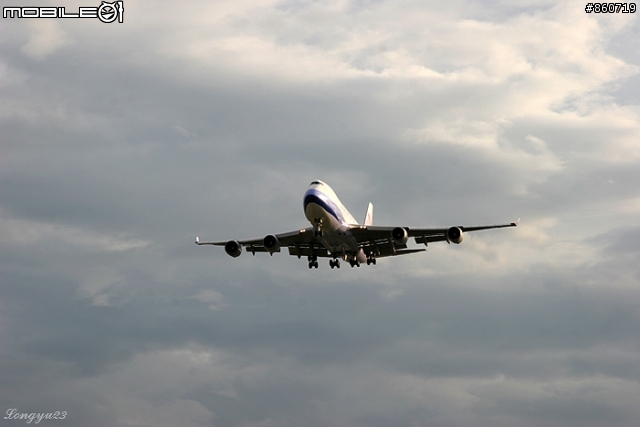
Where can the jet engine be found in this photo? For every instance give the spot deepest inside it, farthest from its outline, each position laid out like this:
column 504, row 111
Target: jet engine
column 399, row 236
column 454, row 235
column 271, row 243
column 233, row 248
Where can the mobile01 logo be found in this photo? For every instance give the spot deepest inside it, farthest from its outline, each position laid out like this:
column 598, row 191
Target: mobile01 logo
column 106, row 12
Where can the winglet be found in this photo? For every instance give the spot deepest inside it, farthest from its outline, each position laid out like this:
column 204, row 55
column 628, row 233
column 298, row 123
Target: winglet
column 197, row 240
column 515, row 224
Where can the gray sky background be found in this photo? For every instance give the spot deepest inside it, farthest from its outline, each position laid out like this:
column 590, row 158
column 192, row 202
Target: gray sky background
column 119, row 143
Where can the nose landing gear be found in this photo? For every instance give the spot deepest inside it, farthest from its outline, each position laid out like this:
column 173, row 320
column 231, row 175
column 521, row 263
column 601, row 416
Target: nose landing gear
column 317, row 230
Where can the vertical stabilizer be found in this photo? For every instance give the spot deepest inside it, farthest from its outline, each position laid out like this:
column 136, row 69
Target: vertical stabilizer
column 368, row 219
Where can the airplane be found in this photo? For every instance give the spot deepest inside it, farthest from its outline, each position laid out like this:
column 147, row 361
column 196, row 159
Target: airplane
column 337, row 235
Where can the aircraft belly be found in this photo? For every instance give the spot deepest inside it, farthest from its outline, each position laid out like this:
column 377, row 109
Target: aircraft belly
column 340, row 242
column 329, row 223
column 337, row 244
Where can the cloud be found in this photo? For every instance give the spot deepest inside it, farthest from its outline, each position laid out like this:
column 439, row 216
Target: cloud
column 216, row 299
column 122, row 142
column 45, row 38
column 25, row 232
column 182, row 131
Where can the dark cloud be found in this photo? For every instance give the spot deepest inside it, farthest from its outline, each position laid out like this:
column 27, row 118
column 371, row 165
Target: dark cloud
column 121, row 144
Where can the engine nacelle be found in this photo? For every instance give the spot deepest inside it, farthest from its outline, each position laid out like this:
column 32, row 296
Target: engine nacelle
column 271, row 243
column 454, row 235
column 399, row 236
column 233, row 248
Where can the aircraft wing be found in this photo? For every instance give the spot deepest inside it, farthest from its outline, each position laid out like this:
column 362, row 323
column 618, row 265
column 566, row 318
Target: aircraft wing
column 299, row 242
column 379, row 239
column 375, row 239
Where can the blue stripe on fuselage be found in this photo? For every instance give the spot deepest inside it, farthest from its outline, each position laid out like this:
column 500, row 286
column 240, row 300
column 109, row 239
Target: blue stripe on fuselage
column 319, row 198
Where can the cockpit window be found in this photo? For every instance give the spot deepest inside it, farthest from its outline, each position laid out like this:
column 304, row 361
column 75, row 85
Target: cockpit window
column 315, row 182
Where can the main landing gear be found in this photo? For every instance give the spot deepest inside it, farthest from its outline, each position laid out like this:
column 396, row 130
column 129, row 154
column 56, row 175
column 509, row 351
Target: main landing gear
column 335, row 262
column 371, row 258
column 313, row 261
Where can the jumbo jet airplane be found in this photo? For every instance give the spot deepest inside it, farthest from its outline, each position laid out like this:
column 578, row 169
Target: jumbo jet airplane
column 337, row 235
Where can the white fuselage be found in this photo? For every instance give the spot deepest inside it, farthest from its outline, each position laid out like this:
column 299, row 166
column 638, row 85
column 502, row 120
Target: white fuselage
column 328, row 215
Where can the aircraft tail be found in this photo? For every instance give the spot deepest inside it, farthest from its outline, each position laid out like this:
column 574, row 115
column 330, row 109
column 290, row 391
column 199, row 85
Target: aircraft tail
column 368, row 219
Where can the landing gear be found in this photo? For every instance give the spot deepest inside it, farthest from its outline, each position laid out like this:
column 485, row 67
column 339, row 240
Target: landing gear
column 354, row 263
column 334, row 263
column 371, row 258
column 313, row 261
column 317, row 230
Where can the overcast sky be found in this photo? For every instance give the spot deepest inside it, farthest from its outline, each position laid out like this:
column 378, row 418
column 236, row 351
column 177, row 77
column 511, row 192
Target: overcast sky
column 119, row 143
